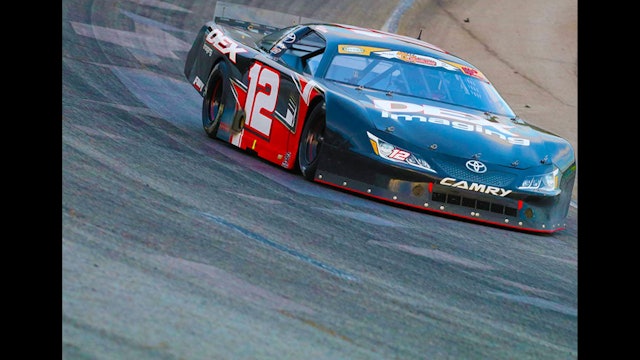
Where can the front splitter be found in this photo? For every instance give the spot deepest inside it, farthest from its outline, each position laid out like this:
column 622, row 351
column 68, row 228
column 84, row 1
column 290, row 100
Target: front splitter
column 423, row 195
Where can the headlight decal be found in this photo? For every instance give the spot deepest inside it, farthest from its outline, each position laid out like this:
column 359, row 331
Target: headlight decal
column 394, row 153
column 549, row 182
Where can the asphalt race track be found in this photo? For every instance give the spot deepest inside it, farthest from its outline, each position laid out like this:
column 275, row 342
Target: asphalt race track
column 176, row 246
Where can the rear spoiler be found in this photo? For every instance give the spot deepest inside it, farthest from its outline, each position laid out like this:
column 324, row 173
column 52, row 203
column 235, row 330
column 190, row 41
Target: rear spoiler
column 256, row 20
column 246, row 25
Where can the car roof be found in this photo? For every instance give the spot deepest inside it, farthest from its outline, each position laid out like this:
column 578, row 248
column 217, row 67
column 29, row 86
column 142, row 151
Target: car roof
column 336, row 34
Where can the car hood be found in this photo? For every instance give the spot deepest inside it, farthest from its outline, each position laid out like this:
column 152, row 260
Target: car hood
column 434, row 128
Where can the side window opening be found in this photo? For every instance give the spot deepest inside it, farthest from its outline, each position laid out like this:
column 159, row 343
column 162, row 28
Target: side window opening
column 304, row 52
column 311, row 63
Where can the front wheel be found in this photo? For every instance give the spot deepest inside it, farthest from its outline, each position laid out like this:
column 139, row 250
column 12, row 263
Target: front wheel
column 214, row 97
column 311, row 142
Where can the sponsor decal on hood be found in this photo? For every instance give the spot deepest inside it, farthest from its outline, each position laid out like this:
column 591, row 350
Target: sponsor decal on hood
column 405, row 111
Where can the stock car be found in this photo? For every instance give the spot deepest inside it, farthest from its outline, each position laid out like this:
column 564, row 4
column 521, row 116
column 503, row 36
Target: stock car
column 387, row 116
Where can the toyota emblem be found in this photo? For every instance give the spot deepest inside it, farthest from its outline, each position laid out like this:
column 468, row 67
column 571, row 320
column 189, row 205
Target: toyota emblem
column 476, row 166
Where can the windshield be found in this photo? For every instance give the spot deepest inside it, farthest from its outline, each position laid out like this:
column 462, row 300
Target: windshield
column 419, row 76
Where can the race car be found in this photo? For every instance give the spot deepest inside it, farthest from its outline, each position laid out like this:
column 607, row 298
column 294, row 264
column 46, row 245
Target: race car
column 383, row 115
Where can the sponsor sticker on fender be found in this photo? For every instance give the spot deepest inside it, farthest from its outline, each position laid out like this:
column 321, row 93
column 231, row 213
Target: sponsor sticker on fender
column 224, row 44
column 198, row 84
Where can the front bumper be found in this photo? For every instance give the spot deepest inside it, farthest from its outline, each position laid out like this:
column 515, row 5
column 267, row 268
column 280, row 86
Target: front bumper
column 398, row 185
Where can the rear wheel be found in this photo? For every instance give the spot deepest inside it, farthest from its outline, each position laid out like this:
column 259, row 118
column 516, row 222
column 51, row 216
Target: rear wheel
column 214, row 98
column 311, row 142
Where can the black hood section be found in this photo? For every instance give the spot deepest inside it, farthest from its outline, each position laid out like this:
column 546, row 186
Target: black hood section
column 455, row 131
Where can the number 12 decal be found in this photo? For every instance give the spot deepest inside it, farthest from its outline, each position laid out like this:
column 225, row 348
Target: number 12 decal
column 262, row 96
column 399, row 155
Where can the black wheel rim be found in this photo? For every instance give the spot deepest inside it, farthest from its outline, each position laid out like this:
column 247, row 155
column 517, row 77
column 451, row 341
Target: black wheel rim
column 214, row 104
column 313, row 143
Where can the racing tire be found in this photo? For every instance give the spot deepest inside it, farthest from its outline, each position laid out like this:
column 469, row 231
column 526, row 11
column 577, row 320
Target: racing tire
column 214, row 97
column 311, row 142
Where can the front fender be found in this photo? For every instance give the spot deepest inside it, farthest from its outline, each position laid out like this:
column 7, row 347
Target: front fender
column 347, row 121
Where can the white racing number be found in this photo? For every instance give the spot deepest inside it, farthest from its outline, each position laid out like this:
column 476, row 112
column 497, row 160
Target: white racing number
column 224, row 44
column 399, row 155
column 262, row 96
